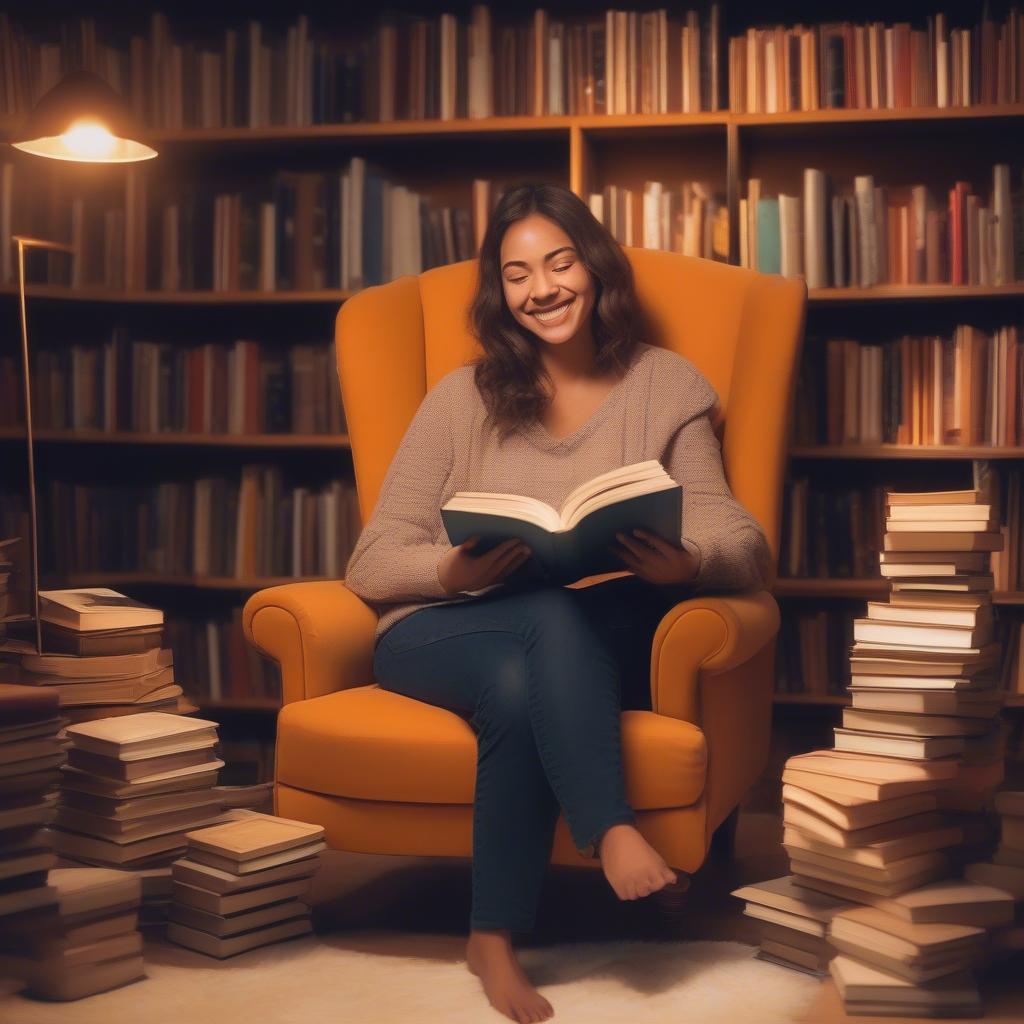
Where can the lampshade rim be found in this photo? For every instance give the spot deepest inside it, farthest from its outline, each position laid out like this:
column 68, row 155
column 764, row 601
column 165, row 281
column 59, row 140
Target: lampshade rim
column 24, row 145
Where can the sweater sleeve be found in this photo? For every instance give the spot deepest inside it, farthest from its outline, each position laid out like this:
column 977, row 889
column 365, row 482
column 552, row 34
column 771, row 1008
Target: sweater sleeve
column 732, row 547
column 395, row 557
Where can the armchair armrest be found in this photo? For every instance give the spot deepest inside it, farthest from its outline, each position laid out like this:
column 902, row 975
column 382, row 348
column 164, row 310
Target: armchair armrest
column 320, row 634
column 713, row 633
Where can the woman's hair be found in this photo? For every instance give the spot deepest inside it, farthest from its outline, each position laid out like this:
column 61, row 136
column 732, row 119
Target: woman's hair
column 509, row 371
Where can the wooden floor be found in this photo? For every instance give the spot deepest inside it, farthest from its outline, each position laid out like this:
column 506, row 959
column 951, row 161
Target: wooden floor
column 421, row 906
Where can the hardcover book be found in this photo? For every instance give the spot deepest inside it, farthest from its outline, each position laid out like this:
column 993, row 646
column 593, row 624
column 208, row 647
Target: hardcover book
column 570, row 543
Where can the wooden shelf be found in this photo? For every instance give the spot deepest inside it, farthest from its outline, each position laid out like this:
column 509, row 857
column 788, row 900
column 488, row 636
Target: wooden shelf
column 822, row 699
column 238, row 703
column 863, row 587
column 335, row 296
column 531, row 126
column 788, row 586
column 904, row 292
column 60, row 293
column 331, row 441
column 113, row 578
column 1013, row 700
column 906, row 451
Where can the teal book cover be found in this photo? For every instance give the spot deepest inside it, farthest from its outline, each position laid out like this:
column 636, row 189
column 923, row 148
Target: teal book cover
column 769, row 252
column 565, row 555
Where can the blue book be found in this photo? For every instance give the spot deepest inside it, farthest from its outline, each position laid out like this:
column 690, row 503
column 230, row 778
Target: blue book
column 769, row 251
column 572, row 542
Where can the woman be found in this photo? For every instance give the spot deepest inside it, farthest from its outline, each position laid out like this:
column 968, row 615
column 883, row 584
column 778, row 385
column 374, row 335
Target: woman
column 566, row 388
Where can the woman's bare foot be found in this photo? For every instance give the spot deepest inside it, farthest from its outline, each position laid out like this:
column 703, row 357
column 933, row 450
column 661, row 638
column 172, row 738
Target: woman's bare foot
column 489, row 956
column 632, row 866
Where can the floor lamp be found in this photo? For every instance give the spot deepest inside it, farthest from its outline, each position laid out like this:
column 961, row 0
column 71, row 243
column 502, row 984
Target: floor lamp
column 82, row 120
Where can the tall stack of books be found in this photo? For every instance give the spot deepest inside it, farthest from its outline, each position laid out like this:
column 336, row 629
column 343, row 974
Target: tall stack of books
column 133, row 786
column 887, row 818
column 104, row 655
column 86, row 942
column 240, row 884
column 31, row 753
column 792, row 923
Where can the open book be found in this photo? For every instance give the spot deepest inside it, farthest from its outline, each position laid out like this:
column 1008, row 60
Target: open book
column 572, row 542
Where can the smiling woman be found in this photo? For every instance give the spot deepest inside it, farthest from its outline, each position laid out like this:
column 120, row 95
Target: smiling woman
column 567, row 387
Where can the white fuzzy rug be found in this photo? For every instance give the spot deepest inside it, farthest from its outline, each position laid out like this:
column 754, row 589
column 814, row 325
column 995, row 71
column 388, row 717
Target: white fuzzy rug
column 318, row 979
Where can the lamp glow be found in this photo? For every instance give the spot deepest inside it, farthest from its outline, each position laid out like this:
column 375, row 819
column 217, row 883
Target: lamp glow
column 91, row 141
column 82, row 119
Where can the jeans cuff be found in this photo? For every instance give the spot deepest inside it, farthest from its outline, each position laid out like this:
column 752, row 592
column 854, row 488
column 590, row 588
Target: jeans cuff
column 590, row 850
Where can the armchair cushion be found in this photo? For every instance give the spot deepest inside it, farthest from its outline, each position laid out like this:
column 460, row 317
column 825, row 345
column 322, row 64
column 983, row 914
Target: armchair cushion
column 368, row 743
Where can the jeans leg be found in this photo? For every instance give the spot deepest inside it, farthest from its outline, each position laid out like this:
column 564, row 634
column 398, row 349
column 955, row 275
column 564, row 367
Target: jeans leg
column 514, row 809
column 550, row 659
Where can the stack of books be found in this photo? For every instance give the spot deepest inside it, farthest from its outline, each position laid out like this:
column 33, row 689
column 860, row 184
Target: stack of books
column 240, row 884
column 31, row 753
column 104, row 655
column 86, row 942
column 858, row 827
column 133, row 786
column 887, row 818
column 792, row 923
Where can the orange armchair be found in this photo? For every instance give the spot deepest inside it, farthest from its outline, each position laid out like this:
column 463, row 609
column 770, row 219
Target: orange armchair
column 384, row 773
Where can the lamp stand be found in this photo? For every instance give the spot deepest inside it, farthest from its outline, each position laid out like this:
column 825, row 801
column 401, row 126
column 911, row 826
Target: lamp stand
column 23, row 242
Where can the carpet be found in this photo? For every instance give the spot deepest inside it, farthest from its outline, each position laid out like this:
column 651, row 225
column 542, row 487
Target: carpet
column 322, row 978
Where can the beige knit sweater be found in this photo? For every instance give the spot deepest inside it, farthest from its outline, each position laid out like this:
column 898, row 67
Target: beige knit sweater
column 658, row 410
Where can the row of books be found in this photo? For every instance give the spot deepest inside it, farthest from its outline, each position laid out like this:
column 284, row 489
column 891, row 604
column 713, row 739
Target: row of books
column 294, row 231
column 964, row 388
column 874, row 66
column 901, row 802
column 692, row 218
column 127, row 384
column 869, row 234
column 440, row 66
column 406, row 66
column 835, row 531
column 250, row 525
column 216, row 662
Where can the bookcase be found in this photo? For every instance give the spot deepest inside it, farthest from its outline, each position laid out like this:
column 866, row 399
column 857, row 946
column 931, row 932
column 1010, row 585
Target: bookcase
column 329, row 133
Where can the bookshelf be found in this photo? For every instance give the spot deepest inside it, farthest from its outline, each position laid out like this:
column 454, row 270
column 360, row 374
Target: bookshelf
column 440, row 160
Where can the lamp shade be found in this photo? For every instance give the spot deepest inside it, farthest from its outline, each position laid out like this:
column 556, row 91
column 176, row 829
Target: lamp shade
column 81, row 118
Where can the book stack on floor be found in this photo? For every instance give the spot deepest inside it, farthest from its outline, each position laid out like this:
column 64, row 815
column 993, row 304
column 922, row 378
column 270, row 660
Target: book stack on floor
column 104, row 655
column 132, row 787
column 31, row 753
column 1005, row 870
column 86, row 942
column 893, row 813
column 241, row 884
column 792, row 923
column 913, row 954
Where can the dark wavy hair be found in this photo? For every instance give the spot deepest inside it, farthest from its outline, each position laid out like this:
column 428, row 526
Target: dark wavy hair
column 510, row 371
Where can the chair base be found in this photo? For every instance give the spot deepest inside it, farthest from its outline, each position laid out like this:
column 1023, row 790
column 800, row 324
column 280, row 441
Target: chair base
column 446, row 830
column 723, row 840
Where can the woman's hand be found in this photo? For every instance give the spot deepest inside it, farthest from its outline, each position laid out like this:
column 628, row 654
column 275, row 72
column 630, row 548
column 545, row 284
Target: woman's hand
column 654, row 559
column 458, row 570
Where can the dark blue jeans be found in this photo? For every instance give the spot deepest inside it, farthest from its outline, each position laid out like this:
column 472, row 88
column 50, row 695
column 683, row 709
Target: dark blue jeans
column 544, row 671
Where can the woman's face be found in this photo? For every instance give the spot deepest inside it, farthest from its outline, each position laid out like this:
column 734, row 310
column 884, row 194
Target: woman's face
column 547, row 287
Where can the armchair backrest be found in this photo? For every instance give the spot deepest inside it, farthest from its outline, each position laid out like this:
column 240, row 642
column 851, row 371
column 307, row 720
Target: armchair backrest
column 742, row 329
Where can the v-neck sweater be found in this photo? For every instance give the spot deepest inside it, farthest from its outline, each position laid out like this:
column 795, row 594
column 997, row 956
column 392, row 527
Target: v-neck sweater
column 659, row 409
